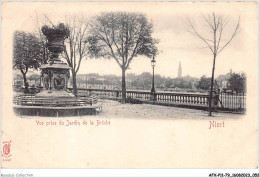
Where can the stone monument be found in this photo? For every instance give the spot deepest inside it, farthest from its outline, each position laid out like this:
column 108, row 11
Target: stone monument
column 55, row 99
column 55, row 74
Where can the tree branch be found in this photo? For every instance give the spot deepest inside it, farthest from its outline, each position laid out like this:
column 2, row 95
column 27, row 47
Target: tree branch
column 234, row 34
column 113, row 37
column 208, row 22
column 220, row 34
column 67, row 57
column 111, row 49
column 134, row 51
column 199, row 36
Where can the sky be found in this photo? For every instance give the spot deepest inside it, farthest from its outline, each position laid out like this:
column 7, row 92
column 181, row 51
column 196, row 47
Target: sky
column 176, row 44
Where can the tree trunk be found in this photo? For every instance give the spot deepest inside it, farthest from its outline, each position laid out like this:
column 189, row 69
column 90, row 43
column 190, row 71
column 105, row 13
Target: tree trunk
column 74, row 83
column 123, row 86
column 24, row 78
column 211, row 87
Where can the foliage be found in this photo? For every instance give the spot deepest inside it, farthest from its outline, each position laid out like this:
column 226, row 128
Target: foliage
column 121, row 36
column 27, row 52
column 168, row 82
column 205, row 83
column 237, row 82
column 60, row 29
column 182, row 83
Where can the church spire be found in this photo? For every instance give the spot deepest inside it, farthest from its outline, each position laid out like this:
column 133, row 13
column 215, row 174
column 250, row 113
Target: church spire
column 180, row 71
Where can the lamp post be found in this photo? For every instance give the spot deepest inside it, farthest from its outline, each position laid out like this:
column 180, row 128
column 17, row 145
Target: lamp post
column 153, row 65
column 153, row 97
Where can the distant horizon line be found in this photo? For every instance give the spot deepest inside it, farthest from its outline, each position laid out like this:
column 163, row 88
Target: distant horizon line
column 35, row 71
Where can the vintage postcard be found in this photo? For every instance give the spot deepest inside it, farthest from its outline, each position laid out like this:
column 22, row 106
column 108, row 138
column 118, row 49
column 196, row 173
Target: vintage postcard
column 129, row 85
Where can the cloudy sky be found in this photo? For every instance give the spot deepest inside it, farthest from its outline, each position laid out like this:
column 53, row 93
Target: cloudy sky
column 170, row 28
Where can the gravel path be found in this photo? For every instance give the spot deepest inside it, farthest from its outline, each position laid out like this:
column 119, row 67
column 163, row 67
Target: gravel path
column 114, row 109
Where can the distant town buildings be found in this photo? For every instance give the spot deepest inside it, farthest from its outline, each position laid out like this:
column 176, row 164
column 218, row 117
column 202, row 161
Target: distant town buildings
column 222, row 80
column 133, row 81
column 96, row 81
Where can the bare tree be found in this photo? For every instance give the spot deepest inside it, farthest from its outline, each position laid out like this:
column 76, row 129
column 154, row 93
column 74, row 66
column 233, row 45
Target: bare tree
column 38, row 32
column 75, row 45
column 215, row 43
column 121, row 36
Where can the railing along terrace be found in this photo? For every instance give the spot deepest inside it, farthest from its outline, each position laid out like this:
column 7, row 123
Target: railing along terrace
column 183, row 98
column 161, row 97
column 233, row 100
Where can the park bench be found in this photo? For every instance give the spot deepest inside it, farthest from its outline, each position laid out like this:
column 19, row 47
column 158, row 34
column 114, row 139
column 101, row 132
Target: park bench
column 31, row 102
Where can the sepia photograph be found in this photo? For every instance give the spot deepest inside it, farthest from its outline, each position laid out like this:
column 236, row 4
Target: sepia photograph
column 129, row 84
